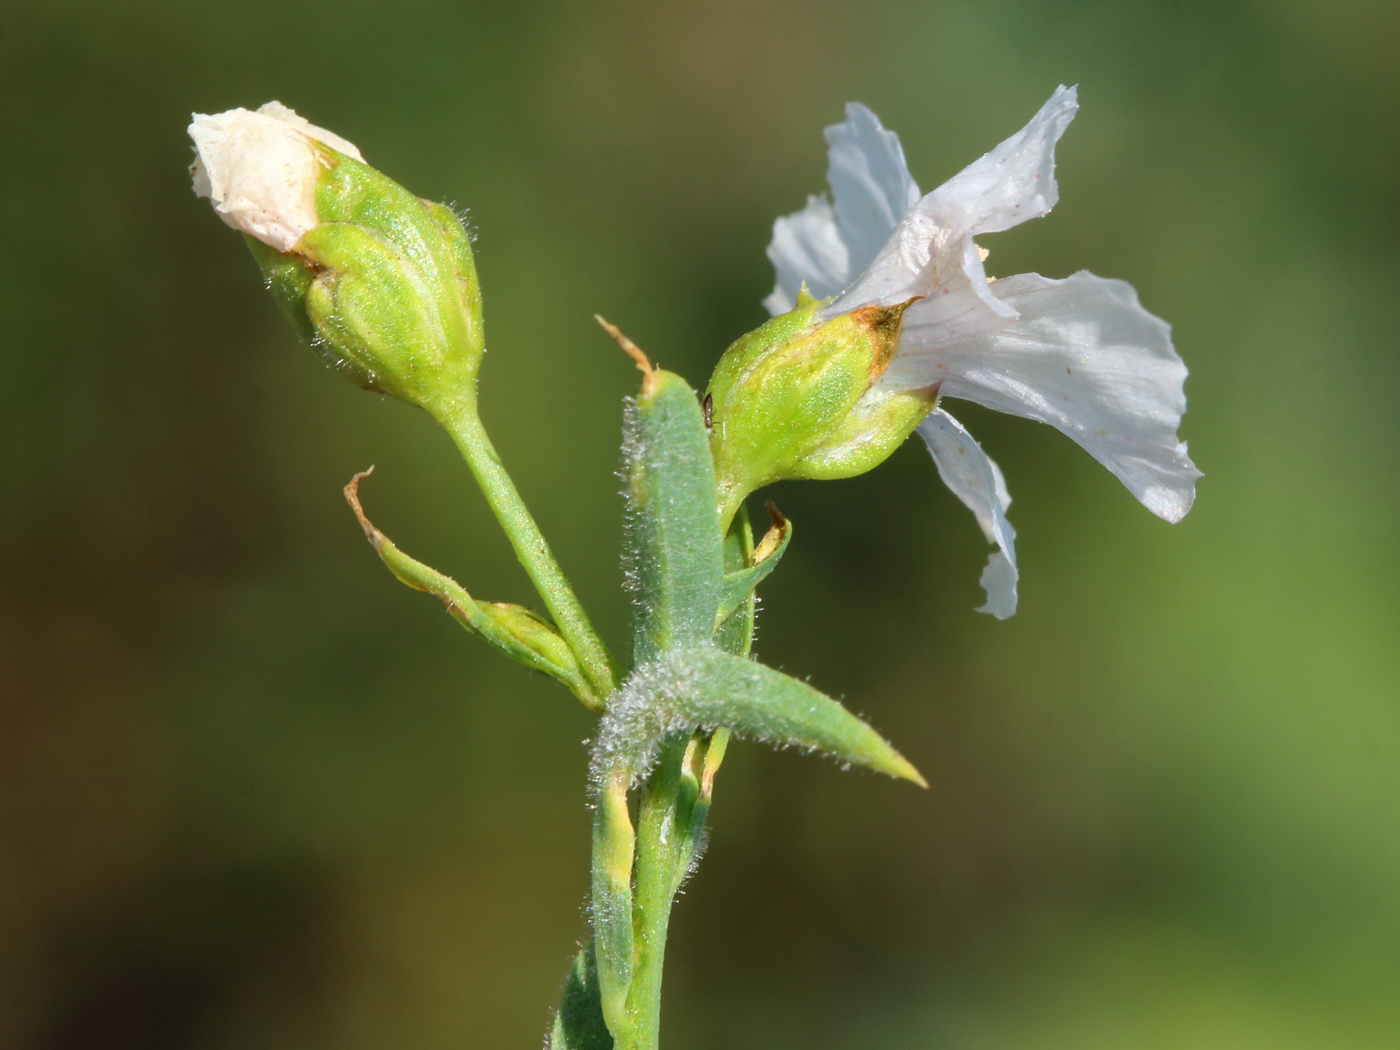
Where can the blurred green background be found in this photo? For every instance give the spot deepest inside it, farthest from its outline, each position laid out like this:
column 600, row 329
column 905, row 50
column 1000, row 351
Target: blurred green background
column 253, row 793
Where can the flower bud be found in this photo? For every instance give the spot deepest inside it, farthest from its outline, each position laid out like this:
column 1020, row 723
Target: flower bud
column 380, row 283
column 795, row 398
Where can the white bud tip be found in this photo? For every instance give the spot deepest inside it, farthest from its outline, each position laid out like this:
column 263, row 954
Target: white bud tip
column 259, row 170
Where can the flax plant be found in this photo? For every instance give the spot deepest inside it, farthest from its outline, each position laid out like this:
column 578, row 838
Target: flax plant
column 882, row 309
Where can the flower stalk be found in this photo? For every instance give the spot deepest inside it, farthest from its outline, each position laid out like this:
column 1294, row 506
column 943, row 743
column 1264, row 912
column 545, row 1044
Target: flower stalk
column 463, row 423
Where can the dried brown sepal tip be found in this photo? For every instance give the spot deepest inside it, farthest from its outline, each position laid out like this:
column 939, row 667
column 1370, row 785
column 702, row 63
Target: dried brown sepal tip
column 632, row 350
column 352, row 497
column 773, row 538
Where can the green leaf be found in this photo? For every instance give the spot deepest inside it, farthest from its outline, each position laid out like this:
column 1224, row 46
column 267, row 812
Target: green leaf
column 735, row 632
column 739, row 585
column 579, row 1023
column 704, row 688
column 515, row 631
column 676, row 550
column 611, row 898
column 702, row 761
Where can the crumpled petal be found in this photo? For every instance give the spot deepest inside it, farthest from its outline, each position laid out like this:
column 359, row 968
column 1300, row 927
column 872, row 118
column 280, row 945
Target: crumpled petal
column 960, row 306
column 1085, row 357
column 1012, row 183
column 259, row 170
column 931, row 254
column 870, row 182
column 977, row 481
column 807, row 249
column 826, row 246
column 1080, row 354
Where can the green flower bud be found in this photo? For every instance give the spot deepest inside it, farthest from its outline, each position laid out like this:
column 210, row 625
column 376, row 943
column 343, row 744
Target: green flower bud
column 381, row 283
column 797, row 398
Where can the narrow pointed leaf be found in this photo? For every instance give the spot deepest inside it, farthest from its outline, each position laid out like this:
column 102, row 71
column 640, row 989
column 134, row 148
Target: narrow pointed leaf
column 579, row 1024
column 734, row 634
column 516, row 631
column 705, row 688
column 673, row 517
column 611, row 902
column 702, row 763
column 739, row 585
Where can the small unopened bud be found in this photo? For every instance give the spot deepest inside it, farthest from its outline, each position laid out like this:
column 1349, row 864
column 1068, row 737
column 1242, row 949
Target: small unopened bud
column 795, row 398
column 380, row 283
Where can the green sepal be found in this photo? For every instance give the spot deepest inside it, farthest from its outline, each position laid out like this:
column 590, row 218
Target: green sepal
column 703, row 688
column 289, row 279
column 798, row 398
column 519, row 633
column 579, row 1024
column 876, row 425
column 373, row 312
column 778, row 391
column 740, row 584
column 456, row 262
column 383, row 287
column 675, row 548
column 429, row 235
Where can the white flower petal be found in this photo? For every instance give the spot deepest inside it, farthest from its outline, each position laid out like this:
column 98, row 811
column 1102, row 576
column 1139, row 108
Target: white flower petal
column 870, row 183
column 975, row 479
column 1012, row 183
column 1085, row 357
column 826, row 246
column 807, row 249
column 259, row 170
column 998, row 580
column 930, row 251
column 960, row 306
column 289, row 116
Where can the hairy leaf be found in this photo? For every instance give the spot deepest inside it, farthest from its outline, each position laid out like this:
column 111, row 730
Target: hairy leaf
column 704, row 688
column 673, row 518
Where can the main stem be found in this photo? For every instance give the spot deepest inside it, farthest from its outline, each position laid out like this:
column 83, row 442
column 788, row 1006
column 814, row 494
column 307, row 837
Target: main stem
column 463, row 423
column 660, row 866
column 671, row 817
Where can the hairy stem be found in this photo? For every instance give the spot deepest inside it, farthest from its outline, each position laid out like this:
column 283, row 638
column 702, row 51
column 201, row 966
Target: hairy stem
column 663, row 818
